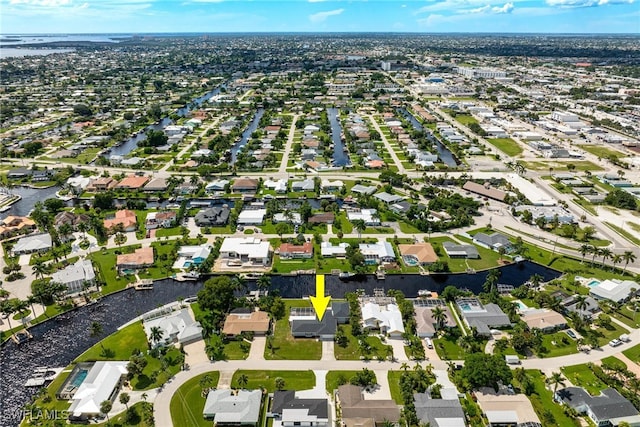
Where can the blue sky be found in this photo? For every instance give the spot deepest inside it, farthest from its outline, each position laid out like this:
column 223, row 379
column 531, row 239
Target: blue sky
column 125, row 16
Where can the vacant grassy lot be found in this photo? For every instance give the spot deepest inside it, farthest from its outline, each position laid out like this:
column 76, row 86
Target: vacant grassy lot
column 583, row 376
column 542, row 401
column 293, row 380
column 601, row 151
column 335, row 379
column 465, row 119
column 633, row 353
column 187, row 403
column 285, row 347
column 507, row 145
column 353, row 350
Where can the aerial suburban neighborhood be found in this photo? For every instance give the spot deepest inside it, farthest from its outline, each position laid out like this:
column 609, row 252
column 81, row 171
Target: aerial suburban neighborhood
column 320, row 230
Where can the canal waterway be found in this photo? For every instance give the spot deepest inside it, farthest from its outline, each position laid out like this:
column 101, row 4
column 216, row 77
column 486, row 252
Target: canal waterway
column 59, row 341
column 29, row 198
column 246, row 135
column 340, row 157
column 132, row 143
column 444, row 154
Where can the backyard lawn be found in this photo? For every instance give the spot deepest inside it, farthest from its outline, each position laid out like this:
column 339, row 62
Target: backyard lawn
column 106, row 263
column 187, row 402
column 293, row 380
column 285, row 347
column 558, row 344
column 448, row 349
column 394, row 386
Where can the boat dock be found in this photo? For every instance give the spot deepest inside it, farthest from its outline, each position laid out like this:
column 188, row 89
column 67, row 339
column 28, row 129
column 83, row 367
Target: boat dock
column 42, row 376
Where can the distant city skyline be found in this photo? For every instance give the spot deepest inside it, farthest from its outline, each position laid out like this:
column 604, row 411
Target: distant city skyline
column 229, row 16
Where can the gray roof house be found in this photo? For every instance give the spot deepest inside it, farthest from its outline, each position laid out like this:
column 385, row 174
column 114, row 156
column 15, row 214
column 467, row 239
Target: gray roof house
column 482, row 317
column 363, row 189
column 306, row 185
column 455, row 250
column 293, row 411
column 493, row 241
column 609, row 408
column 233, row 408
column 305, row 324
column 33, row 243
column 76, row 275
column 438, row 412
column 217, row 215
column 388, row 198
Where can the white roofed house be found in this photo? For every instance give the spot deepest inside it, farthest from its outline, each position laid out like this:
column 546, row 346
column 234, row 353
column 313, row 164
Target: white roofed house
column 192, row 256
column 245, row 250
column 385, row 317
column 377, row 253
column 614, row 290
column 102, row 382
column 178, row 327
column 252, row 215
column 76, row 277
column 369, row 216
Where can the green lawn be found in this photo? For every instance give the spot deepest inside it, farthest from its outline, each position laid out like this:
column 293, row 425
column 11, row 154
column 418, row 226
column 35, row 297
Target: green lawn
column 407, row 228
column 448, row 348
column 630, row 236
column 601, row 151
column 633, row 353
column 394, row 386
column 614, row 361
column 326, row 265
column 607, row 334
column 465, row 119
column 173, row 231
column 488, row 258
column 542, row 401
column 187, row 402
column 335, row 379
column 285, row 347
column 507, row 145
column 294, row 380
column 583, row 376
column 120, row 345
column 352, row 350
column 233, row 350
column 143, row 417
column 289, row 265
column 106, row 263
column 558, row 344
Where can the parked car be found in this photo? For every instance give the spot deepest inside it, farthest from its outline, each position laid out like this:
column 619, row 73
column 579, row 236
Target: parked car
column 615, row 342
column 624, row 338
column 571, row 333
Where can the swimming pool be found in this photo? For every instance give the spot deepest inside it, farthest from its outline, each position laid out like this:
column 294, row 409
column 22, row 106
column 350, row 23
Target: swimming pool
column 522, row 306
column 593, row 283
column 79, row 378
column 465, row 307
column 410, row 261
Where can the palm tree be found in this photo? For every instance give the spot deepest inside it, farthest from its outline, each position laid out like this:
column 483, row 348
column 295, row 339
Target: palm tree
column 616, row 259
column 155, row 334
column 264, row 281
column 243, row 380
column 606, row 254
column 491, row 281
column 124, row 399
column 439, row 316
column 144, row 396
column 206, row 382
column 279, row 383
column 595, row 251
column 535, row 280
column 84, row 227
column 96, row 330
column 556, row 379
column 7, row 308
column 628, row 256
column 360, row 226
column 239, row 282
column 584, row 250
column 39, row 268
column 120, row 239
column 65, row 230
column 21, row 307
column 105, row 408
column 404, row 366
column 581, row 302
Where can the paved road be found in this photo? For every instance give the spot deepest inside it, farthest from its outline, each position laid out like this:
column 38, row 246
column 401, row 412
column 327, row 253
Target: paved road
column 387, row 144
column 288, row 147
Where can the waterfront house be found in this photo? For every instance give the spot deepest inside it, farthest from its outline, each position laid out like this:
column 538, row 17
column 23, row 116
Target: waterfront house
column 76, row 277
column 243, row 319
column 123, row 217
column 140, row 258
column 163, row 219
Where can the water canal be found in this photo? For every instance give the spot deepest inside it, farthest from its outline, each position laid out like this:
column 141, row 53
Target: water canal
column 59, row 341
column 340, row 156
column 444, row 154
column 246, row 134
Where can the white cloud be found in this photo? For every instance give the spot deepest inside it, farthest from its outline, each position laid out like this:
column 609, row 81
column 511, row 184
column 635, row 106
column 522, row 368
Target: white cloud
column 586, row 3
column 322, row 16
column 506, row 8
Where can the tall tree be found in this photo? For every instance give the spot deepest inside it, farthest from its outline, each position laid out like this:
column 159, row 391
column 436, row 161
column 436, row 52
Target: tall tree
column 556, row 379
column 105, row 408
column 628, row 256
column 124, row 399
